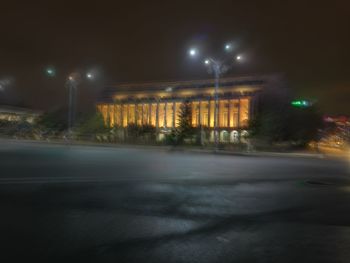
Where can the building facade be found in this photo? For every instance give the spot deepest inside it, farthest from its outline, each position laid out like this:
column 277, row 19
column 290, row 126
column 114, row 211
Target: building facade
column 158, row 104
column 15, row 114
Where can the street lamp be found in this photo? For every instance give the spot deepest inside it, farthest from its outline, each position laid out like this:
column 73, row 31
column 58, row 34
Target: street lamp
column 50, row 71
column 72, row 82
column 5, row 83
column 218, row 67
column 89, row 75
column 72, row 88
column 192, row 52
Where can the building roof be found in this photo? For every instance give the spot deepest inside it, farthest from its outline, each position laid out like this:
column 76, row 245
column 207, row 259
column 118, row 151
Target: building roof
column 18, row 110
column 129, row 89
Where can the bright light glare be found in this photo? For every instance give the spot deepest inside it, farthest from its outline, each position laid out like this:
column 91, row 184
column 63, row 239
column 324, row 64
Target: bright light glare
column 239, row 57
column 4, row 83
column 50, row 72
column 89, row 76
column 193, row 52
column 207, row 61
column 70, row 78
column 227, row 46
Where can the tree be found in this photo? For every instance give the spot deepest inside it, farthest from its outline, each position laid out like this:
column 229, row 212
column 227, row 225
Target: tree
column 271, row 122
column 305, row 124
column 91, row 124
column 279, row 121
column 185, row 128
column 298, row 125
column 55, row 120
column 271, row 126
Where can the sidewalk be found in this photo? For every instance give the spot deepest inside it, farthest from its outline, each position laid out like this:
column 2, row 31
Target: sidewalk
column 254, row 153
column 167, row 148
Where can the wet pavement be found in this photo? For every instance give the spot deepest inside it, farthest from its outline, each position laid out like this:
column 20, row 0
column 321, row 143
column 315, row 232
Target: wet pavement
column 98, row 204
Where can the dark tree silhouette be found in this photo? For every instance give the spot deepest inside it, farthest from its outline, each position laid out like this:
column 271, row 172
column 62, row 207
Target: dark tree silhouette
column 185, row 128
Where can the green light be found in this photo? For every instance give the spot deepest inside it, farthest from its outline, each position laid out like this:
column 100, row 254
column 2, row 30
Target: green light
column 50, row 72
column 300, row 103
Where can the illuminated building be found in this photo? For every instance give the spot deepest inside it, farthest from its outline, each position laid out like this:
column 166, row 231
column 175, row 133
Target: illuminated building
column 158, row 104
column 15, row 114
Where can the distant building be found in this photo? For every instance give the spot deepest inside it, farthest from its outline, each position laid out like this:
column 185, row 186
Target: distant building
column 336, row 131
column 158, row 104
column 12, row 113
column 340, row 120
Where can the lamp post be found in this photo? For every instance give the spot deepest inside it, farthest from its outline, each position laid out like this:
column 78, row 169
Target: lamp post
column 217, row 67
column 72, row 82
column 72, row 88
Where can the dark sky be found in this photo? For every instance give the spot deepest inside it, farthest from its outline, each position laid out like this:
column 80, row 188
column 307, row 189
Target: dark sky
column 309, row 41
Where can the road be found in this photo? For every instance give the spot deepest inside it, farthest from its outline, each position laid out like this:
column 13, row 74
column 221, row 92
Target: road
column 100, row 204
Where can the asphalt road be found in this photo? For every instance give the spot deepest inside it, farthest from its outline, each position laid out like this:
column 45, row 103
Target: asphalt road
column 95, row 204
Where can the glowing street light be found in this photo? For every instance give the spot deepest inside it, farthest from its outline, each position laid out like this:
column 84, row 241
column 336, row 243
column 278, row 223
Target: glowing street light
column 192, row 52
column 89, row 75
column 207, row 61
column 51, row 72
column 228, row 47
column 5, row 83
column 239, row 57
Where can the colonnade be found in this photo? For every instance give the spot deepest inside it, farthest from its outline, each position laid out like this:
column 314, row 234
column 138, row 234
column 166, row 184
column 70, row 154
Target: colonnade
column 232, row 113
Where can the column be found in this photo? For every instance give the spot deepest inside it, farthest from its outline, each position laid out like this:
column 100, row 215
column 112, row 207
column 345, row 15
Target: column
column 165, row 114
column 127, row 114
column 199, row 113
column 239, row 112
column 150, row 113
column 219, row 110
column 111, row 115
column 157, row 115
column 136, row 113
column 115, row 114
column 174, row 113
column 209, row 113
column 252, row 107
column 108, row 116
column 121, row 115
column 142, row 105
column 228, row 113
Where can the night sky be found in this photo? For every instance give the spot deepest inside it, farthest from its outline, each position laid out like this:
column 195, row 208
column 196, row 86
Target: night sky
column 132, row 41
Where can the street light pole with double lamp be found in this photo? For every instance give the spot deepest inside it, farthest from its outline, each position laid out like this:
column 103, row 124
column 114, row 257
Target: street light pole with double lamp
column 217, row 67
